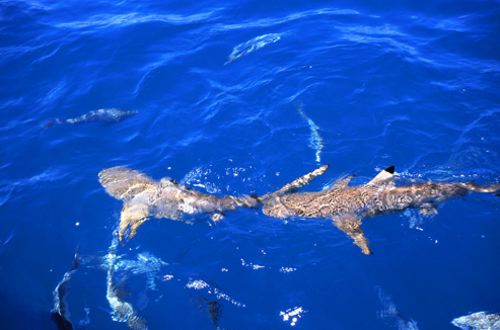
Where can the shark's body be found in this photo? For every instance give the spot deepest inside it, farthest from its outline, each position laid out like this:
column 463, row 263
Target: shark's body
column 143, row 198
column 111, row 115
column 346, row 206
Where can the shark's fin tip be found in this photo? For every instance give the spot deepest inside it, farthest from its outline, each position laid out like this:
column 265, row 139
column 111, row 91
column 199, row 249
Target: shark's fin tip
column 390, row 169
column 385, row 176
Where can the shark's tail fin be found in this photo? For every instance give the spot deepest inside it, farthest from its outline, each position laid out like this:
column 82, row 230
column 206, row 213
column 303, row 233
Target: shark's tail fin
column 492, row 188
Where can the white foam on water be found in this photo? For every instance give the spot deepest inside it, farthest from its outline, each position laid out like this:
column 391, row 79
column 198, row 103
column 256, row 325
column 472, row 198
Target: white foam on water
column 286, row 270
column 202, row 285
column 292, row 315
column 197, row 284
column 415, row 220
column 251, row 265
column 199, row 177
column 168, row 277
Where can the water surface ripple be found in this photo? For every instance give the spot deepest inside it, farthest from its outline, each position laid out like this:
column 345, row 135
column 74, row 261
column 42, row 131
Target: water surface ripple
column 236, row 98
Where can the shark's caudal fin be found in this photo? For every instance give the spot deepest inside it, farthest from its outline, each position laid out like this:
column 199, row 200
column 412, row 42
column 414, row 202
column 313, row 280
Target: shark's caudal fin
column 385, row 176
column 297, row 183
column 492, row 189
column 123, row 184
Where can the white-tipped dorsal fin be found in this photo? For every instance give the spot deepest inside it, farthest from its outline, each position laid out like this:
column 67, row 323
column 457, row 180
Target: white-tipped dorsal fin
column 341, row 183
column 384, row 177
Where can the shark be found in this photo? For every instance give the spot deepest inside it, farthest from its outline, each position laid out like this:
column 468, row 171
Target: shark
column 478, row 321
column 60, row 312
column 346, row 206
column 145, row 198
column 108, row 115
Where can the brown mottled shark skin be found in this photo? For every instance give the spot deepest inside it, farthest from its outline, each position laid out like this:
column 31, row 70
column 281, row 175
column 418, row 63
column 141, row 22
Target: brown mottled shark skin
column 144, row 197
column 346, row 206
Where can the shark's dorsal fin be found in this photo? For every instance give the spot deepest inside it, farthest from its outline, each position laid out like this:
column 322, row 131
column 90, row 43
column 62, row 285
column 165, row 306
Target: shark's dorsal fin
column 385, row 176
column 341, row 183
column 351, row 225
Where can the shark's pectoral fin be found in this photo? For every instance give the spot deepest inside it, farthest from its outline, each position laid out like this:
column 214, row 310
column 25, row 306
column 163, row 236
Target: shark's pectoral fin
column 300, row 182
column 385, row 177
column 133, row 216
column 124, row 183
column 428, row 210
column 341, row 183
column 351, row 225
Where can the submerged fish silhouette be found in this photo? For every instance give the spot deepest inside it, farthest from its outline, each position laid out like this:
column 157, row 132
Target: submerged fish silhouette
column 346, row 206
column 111, row 115
column 478, row 321
column 252, row 45
column 390, row 311
column 60, row 313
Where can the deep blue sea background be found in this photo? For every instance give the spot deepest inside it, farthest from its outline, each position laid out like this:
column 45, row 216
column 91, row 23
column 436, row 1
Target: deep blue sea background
column 409, row 83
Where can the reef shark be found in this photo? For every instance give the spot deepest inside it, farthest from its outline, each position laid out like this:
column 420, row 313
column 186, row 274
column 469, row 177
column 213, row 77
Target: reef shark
column 144, row 197
column 347, row 205
column 344, row 205
column 478, row 321
column 60, row 312
column 111, row 115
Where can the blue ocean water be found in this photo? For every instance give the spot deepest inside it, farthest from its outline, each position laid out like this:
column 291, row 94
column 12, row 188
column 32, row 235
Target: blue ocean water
column 243, row 97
